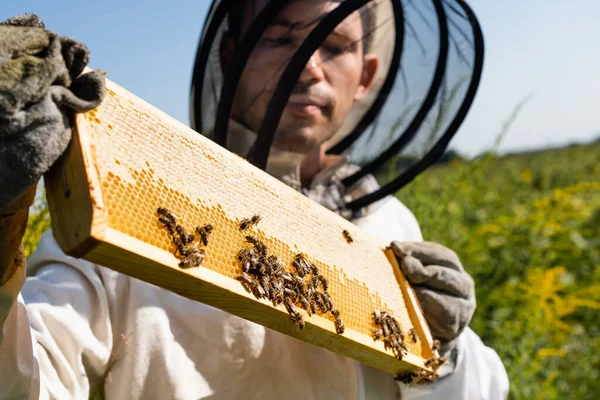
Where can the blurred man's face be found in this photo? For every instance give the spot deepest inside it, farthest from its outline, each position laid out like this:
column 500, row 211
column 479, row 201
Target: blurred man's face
column 337, row 75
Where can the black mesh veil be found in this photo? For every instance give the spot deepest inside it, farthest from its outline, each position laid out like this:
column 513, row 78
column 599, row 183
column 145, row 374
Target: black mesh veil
column 277, row 58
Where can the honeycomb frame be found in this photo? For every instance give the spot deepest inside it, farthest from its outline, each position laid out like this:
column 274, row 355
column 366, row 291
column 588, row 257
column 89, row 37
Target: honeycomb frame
column 127, row 158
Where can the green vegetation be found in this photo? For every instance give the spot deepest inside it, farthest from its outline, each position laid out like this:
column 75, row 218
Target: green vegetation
column 527, row 228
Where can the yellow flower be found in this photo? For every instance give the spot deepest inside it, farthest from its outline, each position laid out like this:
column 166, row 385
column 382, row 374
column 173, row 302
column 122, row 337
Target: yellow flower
column 543, row 353
column 526, row 175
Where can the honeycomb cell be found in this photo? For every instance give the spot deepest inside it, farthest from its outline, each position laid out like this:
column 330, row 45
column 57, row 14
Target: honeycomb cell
column 190, row 178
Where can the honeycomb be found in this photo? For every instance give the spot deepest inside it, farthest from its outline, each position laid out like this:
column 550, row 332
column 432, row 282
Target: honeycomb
column 145, row 159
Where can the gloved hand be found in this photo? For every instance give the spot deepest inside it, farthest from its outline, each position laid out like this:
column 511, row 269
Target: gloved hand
column 40, row 86
column 39, row 83
column 445, row 290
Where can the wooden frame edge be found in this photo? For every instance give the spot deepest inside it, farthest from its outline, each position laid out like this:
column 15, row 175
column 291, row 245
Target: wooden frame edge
column 414, row 308
column 76, row 165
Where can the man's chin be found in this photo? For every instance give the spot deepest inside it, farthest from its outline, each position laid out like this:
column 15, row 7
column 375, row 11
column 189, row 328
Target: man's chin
column 297, row 142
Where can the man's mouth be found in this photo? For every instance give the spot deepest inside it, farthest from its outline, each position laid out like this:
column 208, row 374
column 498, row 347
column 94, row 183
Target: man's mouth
column 305, row 105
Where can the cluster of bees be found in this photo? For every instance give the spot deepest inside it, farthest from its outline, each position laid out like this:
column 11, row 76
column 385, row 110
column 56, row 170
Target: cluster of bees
column 422, row 376
column 419, row 376
column 186, row 245
column 389, row 331
column 265, row 276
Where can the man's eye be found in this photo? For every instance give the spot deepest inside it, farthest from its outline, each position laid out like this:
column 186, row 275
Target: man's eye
column 335, row 50
column 278, row 41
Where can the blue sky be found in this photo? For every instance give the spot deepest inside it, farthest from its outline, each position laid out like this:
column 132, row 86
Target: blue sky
column 547, row 49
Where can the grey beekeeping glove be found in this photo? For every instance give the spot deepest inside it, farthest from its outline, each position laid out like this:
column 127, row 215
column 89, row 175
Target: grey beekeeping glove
column 445, row 290
column 40, row 84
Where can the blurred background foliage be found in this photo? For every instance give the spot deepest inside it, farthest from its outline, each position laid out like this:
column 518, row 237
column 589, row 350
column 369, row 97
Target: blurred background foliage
column 527, row 227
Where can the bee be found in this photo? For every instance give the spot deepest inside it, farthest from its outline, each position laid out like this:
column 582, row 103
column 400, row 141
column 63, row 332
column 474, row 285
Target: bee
column 299, row 267
column 252, row 240
column 320, row 303
column 287, row 278
column 261, row 269
column 377, row 317
column 289, row 293
column 187, row 251
column 278, row 272
column 254, row 286
column 400, row 354
column 304, row 302
column 188, row 262
column 273, row 261
column 327, row 301
column 167, row 214
column 296, row 318
column 377, row 334
column 399, row 340
column 194, row 260
column 386, row 330
column 430, row 362
column 259, row 292
column 247, row 281
column 248, row 222
column 243, row 254
column 301, row 264
column 335, row 313
column 435, row 345
column 289, row 305
column 258, row 245
column 441, row 360
column 251, row 285
column 413, row 335
column 347, row 236
column 167, row 223
column 247, row 265
column 324, row 283
column 277, row 283
column 313, row 306
column 384, row 316
column 316, row 281
column 185, row 237
column 179, row 246
column 309, row 288
column 406, row 378
column 252, row 256
column 261, row 248
column 204, row 233
column 313, row 269
column 392, row 326
column 276, row 294
column 401, row 336
column 297, row 281
column 266, row 285
column 339, row 326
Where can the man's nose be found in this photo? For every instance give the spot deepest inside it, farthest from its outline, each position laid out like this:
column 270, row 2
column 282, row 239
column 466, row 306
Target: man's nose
column 313, row 71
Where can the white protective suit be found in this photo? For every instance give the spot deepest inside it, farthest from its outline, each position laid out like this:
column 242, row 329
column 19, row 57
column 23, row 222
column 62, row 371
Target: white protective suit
column 75, row 325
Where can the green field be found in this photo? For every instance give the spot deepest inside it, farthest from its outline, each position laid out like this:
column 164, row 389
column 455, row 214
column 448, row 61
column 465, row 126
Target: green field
column 527, row 228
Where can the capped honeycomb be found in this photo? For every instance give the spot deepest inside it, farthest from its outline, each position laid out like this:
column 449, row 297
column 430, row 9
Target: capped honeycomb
column 137, row 159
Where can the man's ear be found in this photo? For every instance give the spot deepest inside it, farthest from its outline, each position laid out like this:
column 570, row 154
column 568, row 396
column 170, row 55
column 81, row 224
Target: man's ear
column 226, row 50
column 371, row 64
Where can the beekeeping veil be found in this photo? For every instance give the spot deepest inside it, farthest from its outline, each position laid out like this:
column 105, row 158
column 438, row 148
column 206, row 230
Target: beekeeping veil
column 430, row 56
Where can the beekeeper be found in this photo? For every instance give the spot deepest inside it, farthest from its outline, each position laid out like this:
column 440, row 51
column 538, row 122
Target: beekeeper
column 385, row 85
